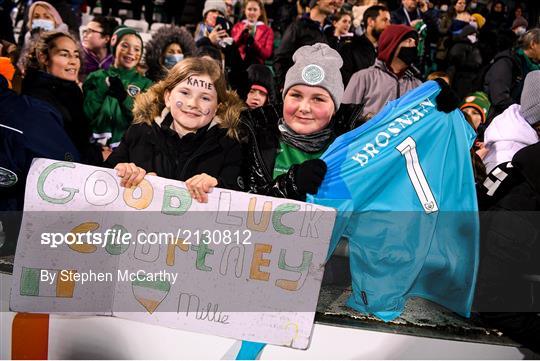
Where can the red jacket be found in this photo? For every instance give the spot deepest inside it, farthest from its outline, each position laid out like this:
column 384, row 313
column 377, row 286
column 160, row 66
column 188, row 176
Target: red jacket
column 263, row 42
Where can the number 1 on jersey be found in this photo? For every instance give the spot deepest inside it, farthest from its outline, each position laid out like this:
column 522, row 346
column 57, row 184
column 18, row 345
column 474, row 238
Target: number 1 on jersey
column 408, row 149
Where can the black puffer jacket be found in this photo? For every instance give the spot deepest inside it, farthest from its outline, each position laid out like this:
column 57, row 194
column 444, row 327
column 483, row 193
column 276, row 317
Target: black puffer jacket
column 510, row 248
column 504, row 80
column 261, row 135
column 66, row 97
column 157, row 148
column 357, row 53
column 465, row 61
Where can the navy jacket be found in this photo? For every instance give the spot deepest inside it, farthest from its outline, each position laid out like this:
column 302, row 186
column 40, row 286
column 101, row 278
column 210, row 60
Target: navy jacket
column 29, row 128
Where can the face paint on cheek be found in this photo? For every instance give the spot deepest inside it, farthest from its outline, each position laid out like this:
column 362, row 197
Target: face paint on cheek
column 203, row 112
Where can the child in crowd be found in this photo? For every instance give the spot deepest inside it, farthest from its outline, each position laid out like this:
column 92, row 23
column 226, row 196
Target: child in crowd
column 185, row 128
column 296, row 136
column 109, row 93
column 261, row 86
column 42, row 16
column 476, row 105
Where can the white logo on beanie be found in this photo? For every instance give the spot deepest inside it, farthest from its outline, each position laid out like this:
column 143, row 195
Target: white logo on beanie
column 313, row 74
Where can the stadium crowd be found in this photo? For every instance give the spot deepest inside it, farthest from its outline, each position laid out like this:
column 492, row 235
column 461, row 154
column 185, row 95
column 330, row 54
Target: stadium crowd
column 220, row 93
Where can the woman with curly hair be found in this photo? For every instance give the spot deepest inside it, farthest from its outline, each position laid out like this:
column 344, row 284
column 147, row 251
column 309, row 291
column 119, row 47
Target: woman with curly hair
column 52, row 69
column 185, row 128
column 168, row 46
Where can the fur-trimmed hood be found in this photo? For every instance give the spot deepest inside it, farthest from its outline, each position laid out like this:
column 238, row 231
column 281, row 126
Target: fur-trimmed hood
column 160, row 40
column 148, row 110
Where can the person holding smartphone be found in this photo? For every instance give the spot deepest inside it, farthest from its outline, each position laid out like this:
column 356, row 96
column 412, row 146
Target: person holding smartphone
column 214, row 25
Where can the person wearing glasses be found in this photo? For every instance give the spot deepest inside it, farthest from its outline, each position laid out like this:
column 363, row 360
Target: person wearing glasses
column 109, row 94
column 96, row 39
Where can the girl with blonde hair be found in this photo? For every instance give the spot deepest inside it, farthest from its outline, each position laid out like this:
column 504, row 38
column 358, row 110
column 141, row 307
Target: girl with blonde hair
column 185, row 128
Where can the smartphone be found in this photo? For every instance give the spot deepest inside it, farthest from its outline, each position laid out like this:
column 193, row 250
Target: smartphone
column 220, row 20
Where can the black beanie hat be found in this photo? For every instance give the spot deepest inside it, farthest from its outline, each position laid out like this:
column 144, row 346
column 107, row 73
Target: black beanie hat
column 261, row 75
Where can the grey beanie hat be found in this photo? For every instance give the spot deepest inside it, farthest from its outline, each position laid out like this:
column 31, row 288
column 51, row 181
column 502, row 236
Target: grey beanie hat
column 218, row 5
column 316, row 65
column 530, row 106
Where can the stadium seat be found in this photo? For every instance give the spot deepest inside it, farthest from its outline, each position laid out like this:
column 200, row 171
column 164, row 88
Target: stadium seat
column 139, row 25
column 145, row 37
column 156, row 26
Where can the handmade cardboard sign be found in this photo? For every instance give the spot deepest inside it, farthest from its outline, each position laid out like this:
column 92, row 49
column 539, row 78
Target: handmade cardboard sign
column 242, row 266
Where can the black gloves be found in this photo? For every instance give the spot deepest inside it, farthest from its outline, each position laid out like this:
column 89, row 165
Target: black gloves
column 116, row 88
column 309, row 176
column 447, row 100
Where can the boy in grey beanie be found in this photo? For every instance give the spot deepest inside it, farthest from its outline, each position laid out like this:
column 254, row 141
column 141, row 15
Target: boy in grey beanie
column 530, row 103
column 317, row 65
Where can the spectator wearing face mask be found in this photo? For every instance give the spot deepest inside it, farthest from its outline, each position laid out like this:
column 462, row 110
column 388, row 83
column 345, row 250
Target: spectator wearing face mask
column 389, row 78
column 520, row 25
column 168, row 46
column 477, row 21
column 42, row 17
column 465, row 60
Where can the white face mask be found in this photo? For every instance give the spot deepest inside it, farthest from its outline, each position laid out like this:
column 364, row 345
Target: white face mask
column 444, row 8
column 520, row 31
column 472, row 38
column 44, row 24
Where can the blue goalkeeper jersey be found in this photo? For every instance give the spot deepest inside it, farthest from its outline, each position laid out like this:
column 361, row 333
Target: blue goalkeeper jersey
column 404, row 187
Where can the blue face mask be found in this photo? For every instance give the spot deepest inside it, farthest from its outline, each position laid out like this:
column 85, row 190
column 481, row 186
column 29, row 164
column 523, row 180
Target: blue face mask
column 44, row 24
column 171, row 59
